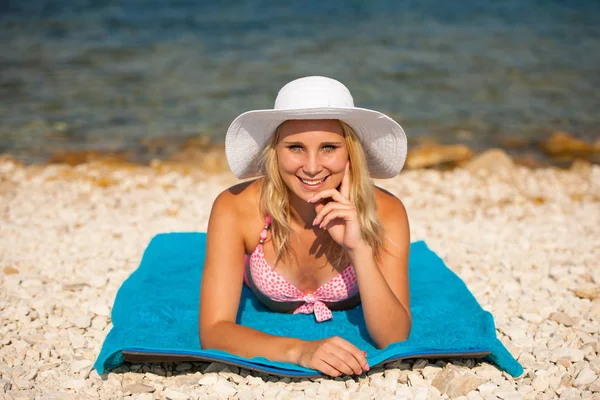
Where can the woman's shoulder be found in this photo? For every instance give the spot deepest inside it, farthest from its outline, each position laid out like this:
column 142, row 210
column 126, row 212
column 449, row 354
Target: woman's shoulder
column 388, row 204
column 239, row 198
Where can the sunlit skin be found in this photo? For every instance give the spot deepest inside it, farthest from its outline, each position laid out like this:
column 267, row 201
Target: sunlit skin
column 309, row 150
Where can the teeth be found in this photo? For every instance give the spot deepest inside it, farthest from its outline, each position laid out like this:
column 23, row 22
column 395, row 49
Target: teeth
column 312, row 183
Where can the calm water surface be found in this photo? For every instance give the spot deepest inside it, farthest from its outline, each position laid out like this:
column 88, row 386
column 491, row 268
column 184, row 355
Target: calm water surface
column 110, row 75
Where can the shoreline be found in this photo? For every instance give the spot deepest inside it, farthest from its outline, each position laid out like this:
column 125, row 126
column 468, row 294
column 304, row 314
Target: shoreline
column 560, row 150
column 525, row 241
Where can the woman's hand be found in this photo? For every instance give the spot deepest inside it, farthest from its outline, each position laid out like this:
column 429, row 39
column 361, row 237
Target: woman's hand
column 333, row 356
column 339, row 217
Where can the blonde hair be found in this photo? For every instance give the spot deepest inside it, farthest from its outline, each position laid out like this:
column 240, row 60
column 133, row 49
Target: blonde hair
column 274, row 198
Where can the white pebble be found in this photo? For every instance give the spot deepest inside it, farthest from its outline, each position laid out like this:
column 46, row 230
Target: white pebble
column 100, row 309
column 585, row 377
column 172, row 394
column 209, row 379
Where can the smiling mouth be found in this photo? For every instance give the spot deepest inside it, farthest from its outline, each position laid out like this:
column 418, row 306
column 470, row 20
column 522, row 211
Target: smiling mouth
column 313, row 182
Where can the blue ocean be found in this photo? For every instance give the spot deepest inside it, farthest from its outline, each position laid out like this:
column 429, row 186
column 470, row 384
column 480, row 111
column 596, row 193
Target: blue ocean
column 114, row 75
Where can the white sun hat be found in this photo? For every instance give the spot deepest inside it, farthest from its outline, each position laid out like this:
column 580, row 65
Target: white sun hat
column 316, row 97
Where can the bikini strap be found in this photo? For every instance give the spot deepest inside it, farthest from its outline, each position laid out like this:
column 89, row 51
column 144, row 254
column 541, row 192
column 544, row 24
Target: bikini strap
column 264, row 234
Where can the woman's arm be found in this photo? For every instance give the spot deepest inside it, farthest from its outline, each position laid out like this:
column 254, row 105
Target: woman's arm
column 383, row 284
column 221, row 290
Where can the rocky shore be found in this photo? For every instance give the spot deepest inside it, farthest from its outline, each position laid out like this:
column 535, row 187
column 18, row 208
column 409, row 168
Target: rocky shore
column 526, row 242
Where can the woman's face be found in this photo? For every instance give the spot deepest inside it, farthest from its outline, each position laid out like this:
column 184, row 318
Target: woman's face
column 312, row 156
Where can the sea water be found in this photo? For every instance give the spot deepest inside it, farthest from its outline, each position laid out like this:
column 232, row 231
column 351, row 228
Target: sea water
column 115, row 74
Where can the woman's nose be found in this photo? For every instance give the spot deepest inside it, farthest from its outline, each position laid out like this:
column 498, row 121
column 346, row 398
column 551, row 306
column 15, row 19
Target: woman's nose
column 312, row 166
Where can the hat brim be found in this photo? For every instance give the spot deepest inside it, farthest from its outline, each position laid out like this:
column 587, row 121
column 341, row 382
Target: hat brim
column 382, row 138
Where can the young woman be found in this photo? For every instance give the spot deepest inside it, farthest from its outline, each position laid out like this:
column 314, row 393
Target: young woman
column 312, row 233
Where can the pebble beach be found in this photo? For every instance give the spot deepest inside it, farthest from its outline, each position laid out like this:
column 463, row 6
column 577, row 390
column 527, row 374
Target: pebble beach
column 525, row 241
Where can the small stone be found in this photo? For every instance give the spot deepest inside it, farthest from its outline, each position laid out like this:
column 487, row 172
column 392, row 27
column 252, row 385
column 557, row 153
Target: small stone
column 255, row 381
column 246, row 394
column 428, row 155
column 394, row 373
column 226, row 389
column 183, row 367
column 77, row 340
column 376, row 373
column 454, row 382
column 82, row 322
column 507, row 393
column 541, row 383
column 415, row 380
column 562, row 318
column 215, row 367
column 311, row 391
column 100, row 309
column 585, row 377
column 564, row 363
column 76, row 384
column 80, row 365
column 404, row 392
column 137, row 388
column 570, row 394
column 588, row 293
column 10, row 271
column 525, row 389
column 490, row 160
column 209, row 379
column 563, row 143
column 25, row 395
column 574, row 355
column 487, row 371
column 22, row 384
column 336, row 386
column 487, row 388
column 595, row 364
column 566, row 379
column 139, row 396
column 532, row 317
column 390, row 384
column 172, row 394
column 98, row 281
column 421, row 393
column 431, row 371
column 474, row 396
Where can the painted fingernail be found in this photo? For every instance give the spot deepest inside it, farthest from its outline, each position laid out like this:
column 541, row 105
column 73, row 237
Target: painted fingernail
column 366, row 367
column 314, row 221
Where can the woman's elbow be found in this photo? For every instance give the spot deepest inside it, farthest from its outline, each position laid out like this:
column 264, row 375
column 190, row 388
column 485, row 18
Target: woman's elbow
column 207, row 336
column 398, row 335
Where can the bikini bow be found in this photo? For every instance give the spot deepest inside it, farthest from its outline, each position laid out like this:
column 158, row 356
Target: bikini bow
column 313, row 305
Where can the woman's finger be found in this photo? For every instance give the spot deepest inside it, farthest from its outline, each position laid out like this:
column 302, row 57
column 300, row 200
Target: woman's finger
column 343, row 360
column 329, row 193
column 357, row 353
column 346, row 215
column 325, row 368
column 337, row 359
column 345, row 186
column 328, row 208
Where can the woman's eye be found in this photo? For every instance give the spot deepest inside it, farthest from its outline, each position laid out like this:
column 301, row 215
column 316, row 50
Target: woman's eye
column 328, row 148
column 295, row 148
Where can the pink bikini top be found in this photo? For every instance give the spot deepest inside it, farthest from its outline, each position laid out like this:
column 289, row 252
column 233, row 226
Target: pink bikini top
column 274, row 286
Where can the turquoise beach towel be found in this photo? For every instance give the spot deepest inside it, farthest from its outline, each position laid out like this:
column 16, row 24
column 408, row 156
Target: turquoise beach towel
column 155, row 316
